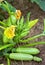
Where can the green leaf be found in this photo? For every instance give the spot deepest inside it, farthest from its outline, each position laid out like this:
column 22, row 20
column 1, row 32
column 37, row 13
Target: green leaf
column 34, row 1
column 5, row 39
column 32, row 23
column 7, row 7
column 7, row 46
column 13, row 19
column 44, row 27
column 12, row 9
column 21, row 23
column 28, row 17
column 2, row 23
column 8, row 22
column 24, row 34
column 41, row 3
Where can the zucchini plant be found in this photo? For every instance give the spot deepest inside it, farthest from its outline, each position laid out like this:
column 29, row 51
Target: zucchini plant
column 12, row 32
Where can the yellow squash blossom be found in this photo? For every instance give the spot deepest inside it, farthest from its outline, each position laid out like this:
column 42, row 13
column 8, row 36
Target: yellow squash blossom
column 9, row 32
column 18, row 14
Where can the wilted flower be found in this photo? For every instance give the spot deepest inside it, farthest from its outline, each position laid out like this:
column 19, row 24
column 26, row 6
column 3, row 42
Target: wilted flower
column 18, row 14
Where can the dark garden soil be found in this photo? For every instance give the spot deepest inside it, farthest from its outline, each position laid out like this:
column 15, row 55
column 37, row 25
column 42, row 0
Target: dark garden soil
column 36, row 12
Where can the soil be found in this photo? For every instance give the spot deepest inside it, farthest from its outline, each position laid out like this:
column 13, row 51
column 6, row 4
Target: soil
column 36, row 13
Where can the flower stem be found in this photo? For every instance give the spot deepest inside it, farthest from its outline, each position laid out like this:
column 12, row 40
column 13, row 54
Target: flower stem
column 2, row 27
column 44, row 25
column 2, row 23
column 8, row 61
column 34, row 37
column 6, row 46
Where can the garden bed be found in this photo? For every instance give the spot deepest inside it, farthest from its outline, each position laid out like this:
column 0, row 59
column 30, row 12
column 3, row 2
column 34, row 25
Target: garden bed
column 36, row 13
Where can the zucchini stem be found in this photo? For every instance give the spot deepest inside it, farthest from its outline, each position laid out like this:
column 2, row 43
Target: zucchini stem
column 34, row 37
column 2, row 27
column 8, row 61
column 33, row 44
column 6, row 46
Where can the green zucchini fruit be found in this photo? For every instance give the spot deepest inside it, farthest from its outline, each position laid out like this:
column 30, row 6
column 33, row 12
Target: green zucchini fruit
column 35, row 58
column 20, row 56
column 32, row 51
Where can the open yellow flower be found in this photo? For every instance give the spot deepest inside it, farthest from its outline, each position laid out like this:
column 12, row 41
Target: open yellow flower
column 10, row 32
column 18, row 14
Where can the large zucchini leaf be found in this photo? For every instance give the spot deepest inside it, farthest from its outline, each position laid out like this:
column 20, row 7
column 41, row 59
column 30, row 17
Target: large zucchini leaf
column 7, row 6
column 41, row 3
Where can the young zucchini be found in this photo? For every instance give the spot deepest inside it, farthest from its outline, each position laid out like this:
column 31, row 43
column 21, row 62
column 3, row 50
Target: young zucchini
column 32, row 51
column 20, row 56
column 35, row 58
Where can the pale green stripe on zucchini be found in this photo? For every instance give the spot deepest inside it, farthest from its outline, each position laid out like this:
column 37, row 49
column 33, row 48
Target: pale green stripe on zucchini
column 32, row 51
column 20, row 56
